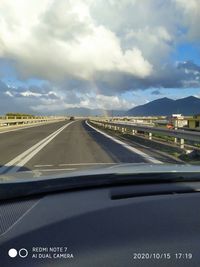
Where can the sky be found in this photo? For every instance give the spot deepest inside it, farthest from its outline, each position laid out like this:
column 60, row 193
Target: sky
column 105, row 54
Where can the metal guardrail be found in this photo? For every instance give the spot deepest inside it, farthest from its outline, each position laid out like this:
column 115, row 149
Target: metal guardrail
column 17, row 120
column 177, row 134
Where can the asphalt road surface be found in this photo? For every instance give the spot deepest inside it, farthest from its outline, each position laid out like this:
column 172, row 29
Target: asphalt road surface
column 66, row 145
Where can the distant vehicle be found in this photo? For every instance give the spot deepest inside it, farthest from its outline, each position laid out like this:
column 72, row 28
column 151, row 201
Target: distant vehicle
column 71, row 118
column 170, row 126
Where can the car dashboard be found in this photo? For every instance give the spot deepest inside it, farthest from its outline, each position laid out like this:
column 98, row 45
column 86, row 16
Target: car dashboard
column 129, row 225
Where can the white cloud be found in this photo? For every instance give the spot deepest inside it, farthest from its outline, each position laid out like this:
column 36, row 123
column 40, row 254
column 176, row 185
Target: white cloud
column 60, row 38
column 188, row 6
column 63, row 39
column 105, row 102
column 29, row 93
column 8, row 93
column 152, row 40
column 152, row 35
column 101, row 102
column 117, row 45
column 190, row 10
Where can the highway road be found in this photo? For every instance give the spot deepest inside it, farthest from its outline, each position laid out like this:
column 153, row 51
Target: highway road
column 66, row 145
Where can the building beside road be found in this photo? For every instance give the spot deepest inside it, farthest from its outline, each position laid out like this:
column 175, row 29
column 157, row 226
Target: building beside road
column 194, row 122
column 174, row 121
column 178, row 120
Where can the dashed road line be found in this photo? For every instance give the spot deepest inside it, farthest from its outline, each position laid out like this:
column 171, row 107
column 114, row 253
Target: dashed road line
column 51, row 170
column 87, row 164
column 45, row 165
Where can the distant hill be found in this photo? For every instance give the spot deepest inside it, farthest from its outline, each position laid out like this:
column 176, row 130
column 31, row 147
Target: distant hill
column 93, row 112
column 163, row 106
column 166, row 106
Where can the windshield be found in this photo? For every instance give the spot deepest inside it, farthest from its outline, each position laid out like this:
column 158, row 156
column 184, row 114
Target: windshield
column 94, row 84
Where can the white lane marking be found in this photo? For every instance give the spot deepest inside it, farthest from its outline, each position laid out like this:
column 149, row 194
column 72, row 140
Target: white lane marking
column 85, row 164
column 19, row 161
column 51, row 170
column 26, row 127
column 45, row 165
column 132, row 149
column 22, row 155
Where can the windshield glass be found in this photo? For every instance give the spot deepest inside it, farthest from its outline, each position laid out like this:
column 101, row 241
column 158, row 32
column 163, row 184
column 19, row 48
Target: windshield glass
column 93, row 84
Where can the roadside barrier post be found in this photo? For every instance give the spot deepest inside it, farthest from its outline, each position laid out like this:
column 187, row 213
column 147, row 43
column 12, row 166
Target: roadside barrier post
column 182, row 141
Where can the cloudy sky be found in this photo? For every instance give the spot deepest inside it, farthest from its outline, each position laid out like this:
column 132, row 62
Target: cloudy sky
column 107, row 54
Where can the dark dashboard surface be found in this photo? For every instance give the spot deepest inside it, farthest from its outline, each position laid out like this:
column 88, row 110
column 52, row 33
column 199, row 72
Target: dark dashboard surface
column 108, row 227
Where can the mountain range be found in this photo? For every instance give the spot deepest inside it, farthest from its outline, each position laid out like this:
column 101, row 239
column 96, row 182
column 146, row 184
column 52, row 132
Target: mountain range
column 159, row 107
column 166, row 106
